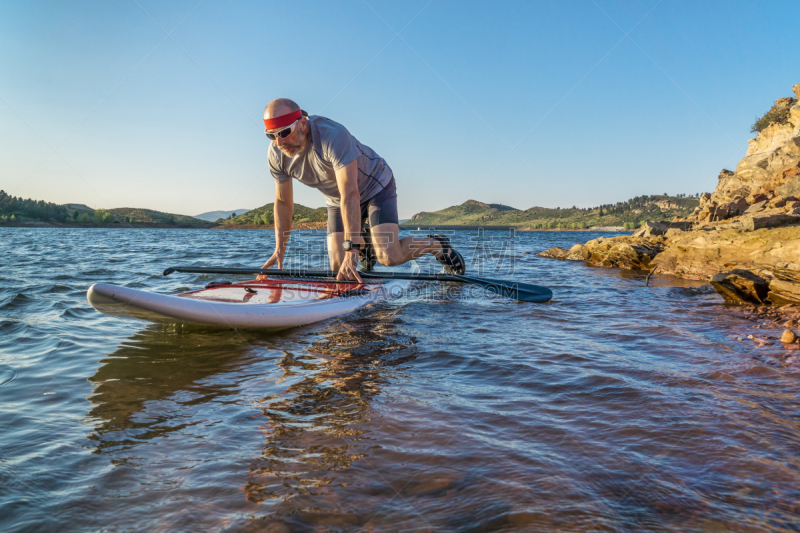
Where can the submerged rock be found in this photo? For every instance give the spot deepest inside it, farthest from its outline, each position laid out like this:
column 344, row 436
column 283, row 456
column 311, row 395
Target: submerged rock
column 741, row 286
column 788, row 337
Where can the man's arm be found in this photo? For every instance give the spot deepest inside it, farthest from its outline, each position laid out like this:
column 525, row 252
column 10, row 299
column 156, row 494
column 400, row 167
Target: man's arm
column 283, row 212
column 347, row 180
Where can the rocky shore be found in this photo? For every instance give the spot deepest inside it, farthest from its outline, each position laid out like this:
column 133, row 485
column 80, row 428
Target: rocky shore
column 744, row 238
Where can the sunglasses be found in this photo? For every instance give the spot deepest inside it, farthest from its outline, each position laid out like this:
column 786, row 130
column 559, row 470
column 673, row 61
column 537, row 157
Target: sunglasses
column 285, row 132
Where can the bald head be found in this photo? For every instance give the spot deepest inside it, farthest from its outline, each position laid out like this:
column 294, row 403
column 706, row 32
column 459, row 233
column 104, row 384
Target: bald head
column 280, row 107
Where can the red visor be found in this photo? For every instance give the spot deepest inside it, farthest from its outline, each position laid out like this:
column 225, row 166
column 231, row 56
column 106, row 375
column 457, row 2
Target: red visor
column 283, row 120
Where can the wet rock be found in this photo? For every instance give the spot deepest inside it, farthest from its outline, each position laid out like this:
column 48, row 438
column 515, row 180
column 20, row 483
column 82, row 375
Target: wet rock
column 554, row 253
column 788, row 337
column 525, row 253
column 741, row 286
column 775, row 220
column 627, row 253
column 575, row 253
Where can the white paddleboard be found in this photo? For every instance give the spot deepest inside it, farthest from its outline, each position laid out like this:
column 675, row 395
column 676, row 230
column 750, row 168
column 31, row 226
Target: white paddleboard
column 272, row 304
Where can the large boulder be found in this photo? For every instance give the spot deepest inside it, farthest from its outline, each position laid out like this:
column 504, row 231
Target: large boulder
column 741, row 286
column 627, row 253
column 701, row 254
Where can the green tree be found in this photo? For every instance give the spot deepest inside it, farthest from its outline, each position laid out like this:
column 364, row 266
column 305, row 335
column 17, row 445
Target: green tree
column 267, row 218
column 83, row 218
column 257, row 220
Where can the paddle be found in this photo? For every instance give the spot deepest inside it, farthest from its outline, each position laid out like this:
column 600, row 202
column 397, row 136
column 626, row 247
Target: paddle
column 526, row 292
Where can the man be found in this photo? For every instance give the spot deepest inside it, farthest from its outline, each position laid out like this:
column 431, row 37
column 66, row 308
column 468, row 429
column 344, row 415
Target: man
column 357, row 184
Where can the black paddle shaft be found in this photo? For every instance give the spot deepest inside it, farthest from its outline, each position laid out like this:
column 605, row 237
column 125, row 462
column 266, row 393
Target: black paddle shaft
column 526, row 292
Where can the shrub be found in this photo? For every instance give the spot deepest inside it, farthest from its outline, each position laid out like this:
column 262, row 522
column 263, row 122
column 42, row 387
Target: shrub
column 83, row 217
column 267, row 218
column 777, row 114
column 101, row 216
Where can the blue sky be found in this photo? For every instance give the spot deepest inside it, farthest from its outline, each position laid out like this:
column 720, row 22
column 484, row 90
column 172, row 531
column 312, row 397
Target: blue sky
column 550, row 103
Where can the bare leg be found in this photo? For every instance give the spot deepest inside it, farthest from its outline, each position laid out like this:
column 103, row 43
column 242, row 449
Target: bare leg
column 335, row 251
column 391, row 250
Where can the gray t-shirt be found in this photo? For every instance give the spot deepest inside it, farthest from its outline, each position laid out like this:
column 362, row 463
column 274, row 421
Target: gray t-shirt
column 331, row 148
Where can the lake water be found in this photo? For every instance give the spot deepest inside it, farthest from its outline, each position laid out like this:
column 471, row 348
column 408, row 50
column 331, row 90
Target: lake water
column 616, row 407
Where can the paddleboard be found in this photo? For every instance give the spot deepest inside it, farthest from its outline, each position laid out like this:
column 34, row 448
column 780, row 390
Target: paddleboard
column 271, row 304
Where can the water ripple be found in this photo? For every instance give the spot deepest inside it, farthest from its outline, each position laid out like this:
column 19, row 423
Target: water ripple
column 616, row 406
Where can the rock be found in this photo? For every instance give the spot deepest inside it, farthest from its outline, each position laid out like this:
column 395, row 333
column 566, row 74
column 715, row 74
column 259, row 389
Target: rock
column 575, row 253
column 627, row 253
column 756, row 207
column 788, row 337
column 741, row 286
column 796, row 90
column 777, row 202
column 738, row 206
column 554, row 253
column 790, row 188
column 671, row 232
column 769, row 221
column 525, row 253
column 701, row 254
column 653, row 229
column 784, row 288
column 756, row 198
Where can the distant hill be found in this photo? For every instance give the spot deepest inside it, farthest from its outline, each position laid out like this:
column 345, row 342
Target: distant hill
column 630, row 213
column 265, row 215
column 213, row 216
column 135, row 215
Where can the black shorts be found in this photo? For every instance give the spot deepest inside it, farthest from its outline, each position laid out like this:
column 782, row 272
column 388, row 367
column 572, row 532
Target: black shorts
column 380, row 209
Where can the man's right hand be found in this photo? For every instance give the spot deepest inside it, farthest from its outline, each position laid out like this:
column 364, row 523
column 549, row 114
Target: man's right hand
column 276, row 258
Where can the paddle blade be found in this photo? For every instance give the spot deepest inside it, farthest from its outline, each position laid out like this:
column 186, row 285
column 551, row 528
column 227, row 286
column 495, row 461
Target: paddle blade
column 525, row 292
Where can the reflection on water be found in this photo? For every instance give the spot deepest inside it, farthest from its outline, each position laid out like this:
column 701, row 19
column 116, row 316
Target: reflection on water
column 316, row 425
column 156, row 364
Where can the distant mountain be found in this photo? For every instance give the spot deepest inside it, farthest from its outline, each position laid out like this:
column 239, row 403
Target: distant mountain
column 213, row 216
column 630, row 214
column 134, row 215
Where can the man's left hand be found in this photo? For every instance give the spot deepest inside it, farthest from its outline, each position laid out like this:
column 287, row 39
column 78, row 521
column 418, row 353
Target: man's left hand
column 349, row 268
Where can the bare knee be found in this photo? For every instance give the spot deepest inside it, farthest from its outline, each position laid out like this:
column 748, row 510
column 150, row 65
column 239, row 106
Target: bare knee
column 389, row 257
